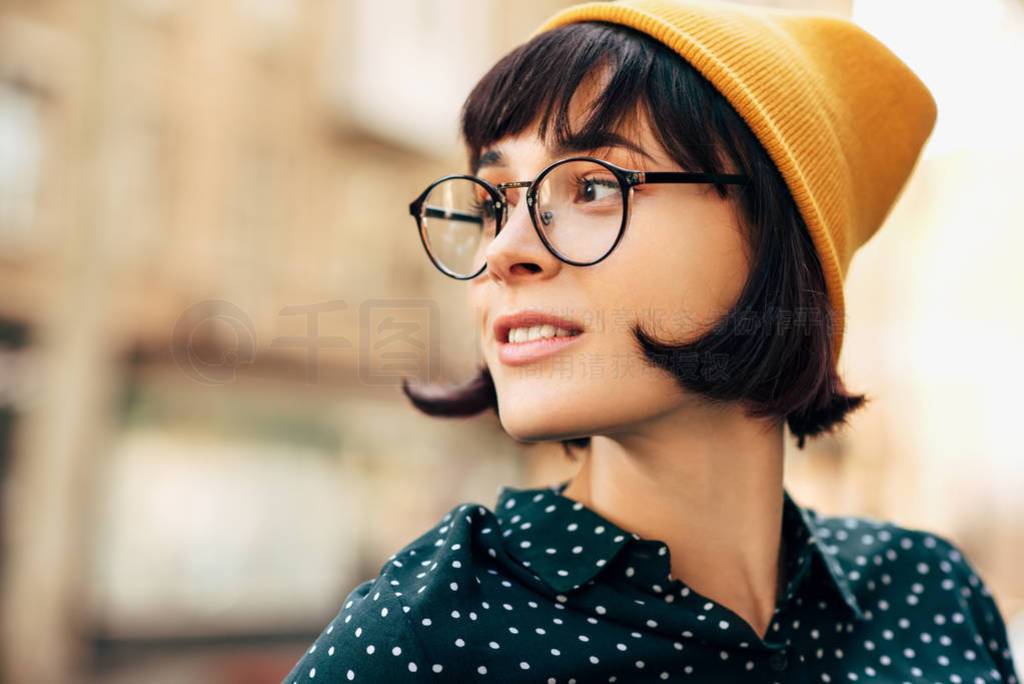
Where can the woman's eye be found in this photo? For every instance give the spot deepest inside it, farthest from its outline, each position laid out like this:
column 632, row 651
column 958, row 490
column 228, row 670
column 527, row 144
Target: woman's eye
column 596, row 189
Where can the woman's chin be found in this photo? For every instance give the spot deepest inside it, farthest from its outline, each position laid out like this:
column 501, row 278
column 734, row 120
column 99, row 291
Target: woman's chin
column 534, row 424
column 537, row 436
column 541, row 422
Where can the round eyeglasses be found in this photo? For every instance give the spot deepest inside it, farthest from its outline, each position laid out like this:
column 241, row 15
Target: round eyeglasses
column 579, row 206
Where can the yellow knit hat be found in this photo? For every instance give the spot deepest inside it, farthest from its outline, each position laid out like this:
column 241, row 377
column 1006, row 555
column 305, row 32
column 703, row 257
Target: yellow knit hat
column 841, row 116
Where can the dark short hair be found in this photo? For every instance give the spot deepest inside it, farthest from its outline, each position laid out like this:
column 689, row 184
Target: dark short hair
column 773, row 349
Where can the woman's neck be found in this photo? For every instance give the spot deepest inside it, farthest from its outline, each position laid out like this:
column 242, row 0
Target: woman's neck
column 708, row 483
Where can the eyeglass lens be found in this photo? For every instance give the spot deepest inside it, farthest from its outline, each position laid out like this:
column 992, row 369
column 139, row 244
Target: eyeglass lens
column 579, row 212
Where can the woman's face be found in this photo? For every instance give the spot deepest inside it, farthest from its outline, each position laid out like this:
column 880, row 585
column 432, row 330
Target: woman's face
column 680, row 265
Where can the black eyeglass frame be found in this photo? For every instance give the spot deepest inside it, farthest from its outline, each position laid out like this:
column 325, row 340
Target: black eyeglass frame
column 627, row 178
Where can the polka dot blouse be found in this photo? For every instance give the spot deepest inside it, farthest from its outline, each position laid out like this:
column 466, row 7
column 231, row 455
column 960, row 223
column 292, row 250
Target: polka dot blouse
column 544, row 589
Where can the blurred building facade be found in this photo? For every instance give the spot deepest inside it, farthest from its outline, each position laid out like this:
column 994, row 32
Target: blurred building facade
column 211, row 286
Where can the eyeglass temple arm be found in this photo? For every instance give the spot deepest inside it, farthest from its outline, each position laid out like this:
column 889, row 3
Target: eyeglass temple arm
column 438, row 213
column 688, row 177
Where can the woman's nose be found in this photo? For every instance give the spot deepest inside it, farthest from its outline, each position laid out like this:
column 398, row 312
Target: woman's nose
column 517, row 247
column 511, row 197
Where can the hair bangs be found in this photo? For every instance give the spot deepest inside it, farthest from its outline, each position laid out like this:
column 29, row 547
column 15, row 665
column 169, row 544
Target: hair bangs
column 535, row 85
column 633, row 80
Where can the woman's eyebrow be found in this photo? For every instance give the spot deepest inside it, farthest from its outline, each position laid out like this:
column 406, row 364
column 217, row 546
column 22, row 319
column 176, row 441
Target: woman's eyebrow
column 589, row 144
column 490, row 158
column 594, row 143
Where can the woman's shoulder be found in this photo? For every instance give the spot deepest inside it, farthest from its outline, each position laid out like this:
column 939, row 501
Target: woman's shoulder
column 867, row 546
column 458, row 524
column 368, row 640
column 919, row 580
column 379, row 632
column 447, row 551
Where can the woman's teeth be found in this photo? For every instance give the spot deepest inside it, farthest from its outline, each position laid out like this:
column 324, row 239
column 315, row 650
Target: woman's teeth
column 538, row 332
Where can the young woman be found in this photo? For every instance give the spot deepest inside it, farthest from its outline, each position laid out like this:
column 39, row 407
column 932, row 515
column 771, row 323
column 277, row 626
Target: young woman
column 661, row 202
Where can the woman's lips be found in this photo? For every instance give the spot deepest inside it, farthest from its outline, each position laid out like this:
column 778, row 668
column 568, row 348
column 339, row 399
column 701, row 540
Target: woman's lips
column 521, row 353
